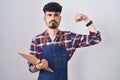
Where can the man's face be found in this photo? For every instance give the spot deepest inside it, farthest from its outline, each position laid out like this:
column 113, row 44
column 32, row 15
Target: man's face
column 52, row 19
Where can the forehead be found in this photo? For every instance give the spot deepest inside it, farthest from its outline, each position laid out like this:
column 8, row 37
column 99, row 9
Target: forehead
column 52, row 13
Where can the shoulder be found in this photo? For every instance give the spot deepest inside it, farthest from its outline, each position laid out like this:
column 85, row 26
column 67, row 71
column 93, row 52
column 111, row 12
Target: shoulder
column 38, row 37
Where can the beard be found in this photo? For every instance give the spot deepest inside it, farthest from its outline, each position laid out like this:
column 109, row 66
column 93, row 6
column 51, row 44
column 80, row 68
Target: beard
column 53, row 26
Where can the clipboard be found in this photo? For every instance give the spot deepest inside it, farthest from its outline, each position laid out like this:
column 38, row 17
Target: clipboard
column 32, row 59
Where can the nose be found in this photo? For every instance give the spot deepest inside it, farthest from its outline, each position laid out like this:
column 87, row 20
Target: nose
column 52, row 17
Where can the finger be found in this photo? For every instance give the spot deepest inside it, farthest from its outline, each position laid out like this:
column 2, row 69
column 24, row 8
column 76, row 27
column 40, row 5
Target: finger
column 77, row 20
column 84, row 17
column 45, row 66
column 45, row 63
column 43, row 60
column 38, row 62
column 78, row 17
column 39, row 66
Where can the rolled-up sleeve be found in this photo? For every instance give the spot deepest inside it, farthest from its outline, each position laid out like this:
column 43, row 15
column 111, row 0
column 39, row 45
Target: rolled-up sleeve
column 34, row 50
column 81, row 40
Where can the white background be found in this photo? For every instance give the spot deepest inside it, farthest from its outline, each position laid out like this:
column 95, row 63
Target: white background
column 21, row 20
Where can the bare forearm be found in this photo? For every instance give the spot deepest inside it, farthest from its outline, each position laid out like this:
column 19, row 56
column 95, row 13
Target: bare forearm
column 91, row 27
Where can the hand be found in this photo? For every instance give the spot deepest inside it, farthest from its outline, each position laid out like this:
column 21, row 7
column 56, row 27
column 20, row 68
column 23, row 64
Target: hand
column 81, row 17
column 42, row 64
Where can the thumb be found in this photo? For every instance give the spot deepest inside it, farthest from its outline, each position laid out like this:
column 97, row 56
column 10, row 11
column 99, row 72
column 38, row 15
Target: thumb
column 38, row 62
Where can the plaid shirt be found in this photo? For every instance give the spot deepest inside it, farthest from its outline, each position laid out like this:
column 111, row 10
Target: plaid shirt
column 71, row 41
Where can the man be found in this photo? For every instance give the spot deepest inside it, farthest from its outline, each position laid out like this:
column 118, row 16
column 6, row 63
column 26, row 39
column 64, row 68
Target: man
column 54, row 48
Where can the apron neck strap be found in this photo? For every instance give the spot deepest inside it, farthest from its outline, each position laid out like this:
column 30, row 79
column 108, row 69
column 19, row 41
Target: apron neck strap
column 61, row 38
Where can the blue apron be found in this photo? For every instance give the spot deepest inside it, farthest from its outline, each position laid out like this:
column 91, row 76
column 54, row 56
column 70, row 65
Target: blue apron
column 57, row 58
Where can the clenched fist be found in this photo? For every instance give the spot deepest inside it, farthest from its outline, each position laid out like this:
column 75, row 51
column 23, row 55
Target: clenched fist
column 81, row 17
column 42, row 64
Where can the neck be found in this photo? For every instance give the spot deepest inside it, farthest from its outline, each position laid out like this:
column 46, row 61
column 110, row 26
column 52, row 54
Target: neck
column 52, row 33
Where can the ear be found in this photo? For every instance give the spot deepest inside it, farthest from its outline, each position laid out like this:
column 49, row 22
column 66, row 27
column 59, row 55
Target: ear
column 45, row 19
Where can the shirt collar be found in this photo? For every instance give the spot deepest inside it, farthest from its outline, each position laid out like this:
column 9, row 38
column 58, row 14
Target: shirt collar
column 46, row 33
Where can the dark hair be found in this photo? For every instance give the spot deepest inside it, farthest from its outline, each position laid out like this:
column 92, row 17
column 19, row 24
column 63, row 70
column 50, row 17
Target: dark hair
column 52, row 7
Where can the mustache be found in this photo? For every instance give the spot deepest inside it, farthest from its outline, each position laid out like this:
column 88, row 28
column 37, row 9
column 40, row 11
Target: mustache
column 53, row 21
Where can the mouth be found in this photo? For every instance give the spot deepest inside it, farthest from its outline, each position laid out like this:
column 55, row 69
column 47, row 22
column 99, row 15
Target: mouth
column 53, row 21
column 53, row 26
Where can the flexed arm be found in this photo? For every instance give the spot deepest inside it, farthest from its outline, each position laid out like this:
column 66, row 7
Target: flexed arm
column 82, row 17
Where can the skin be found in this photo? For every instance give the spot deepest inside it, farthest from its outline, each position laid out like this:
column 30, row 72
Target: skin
column 51, row 18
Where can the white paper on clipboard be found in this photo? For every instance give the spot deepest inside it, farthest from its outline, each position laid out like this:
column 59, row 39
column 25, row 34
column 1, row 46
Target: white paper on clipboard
column 32, row 59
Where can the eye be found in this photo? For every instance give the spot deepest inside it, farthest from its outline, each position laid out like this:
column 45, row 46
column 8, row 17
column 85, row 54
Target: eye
column 49, row 14
column 56, row 15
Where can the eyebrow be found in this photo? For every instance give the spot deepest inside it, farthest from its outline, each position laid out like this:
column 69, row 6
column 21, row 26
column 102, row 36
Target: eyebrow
column 56, row 14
